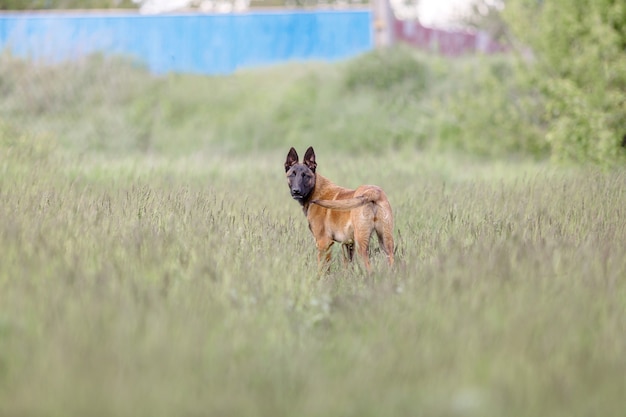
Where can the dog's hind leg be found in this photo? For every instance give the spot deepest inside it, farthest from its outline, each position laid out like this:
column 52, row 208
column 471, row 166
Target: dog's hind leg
column 384, row 232
column 363, row 249
column 386, row 244
column 362, row 236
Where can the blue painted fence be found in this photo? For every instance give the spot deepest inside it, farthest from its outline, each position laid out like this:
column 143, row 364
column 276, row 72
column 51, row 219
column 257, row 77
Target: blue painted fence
column 190, row 43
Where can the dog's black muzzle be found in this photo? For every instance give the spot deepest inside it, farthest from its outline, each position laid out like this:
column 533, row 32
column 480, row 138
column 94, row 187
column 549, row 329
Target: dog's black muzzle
column 297, row 195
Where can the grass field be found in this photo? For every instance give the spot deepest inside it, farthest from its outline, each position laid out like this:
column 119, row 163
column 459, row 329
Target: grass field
column 183, row 282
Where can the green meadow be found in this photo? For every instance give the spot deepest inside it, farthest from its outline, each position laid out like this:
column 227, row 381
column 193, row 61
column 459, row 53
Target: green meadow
column 152, row 262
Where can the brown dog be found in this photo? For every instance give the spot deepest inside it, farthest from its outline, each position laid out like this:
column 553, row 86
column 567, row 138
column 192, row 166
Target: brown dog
column 338, row 214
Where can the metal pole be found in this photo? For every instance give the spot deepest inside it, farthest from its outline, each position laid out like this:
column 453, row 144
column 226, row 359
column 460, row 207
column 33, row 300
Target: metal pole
column 383, row 23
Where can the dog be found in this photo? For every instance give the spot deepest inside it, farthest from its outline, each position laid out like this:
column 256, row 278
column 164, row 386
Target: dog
column 338, row 214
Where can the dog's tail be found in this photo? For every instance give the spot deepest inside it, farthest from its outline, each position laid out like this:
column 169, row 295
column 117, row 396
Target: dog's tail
column 350, row 203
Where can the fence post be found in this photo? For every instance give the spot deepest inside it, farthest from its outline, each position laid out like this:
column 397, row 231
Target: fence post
column 383, row 23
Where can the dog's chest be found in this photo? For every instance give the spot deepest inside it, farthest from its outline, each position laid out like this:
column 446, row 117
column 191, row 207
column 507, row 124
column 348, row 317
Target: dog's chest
column 342, row 233
column 333, row 224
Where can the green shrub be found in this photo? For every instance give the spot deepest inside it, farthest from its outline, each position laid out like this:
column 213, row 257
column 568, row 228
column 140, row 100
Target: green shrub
column 489, row 108
column 579, row 66
column 383, row 100
column 395, row 70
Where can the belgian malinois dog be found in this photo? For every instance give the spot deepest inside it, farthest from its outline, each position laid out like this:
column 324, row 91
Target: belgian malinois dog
column 338, row 214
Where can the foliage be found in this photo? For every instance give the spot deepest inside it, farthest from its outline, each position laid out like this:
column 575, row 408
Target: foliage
column 580, row 68
column 377, row 102
column 486, row 15
column 488, row 109
column 64, row 4
column 396, row 69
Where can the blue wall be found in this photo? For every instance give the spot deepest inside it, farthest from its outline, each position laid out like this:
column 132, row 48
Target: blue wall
column 194, row 43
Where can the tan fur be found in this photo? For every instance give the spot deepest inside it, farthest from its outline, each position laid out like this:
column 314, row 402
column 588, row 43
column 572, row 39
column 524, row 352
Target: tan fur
column 349, row 217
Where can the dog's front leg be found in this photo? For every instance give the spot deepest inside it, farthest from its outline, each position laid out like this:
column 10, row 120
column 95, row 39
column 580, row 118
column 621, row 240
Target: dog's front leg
column 324, row 254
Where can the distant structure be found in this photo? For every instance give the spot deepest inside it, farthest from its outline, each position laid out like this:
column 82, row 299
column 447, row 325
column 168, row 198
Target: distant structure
column 398, row 21
column 445, row 42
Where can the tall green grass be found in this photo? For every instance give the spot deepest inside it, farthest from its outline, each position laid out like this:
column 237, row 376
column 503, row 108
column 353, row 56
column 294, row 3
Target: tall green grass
column 188, row 286
column 174, row 275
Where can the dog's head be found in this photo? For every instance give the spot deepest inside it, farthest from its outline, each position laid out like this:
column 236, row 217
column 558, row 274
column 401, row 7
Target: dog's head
column 301, row 176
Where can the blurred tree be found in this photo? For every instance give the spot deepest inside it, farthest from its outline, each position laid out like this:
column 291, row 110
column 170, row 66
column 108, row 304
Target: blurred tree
column 578, row 58
column 405, row 9
column 65, row 4
column 486, row 15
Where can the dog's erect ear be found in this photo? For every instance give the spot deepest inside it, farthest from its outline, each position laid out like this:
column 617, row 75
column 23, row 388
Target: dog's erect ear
column 292, row 159
column 309, row 159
